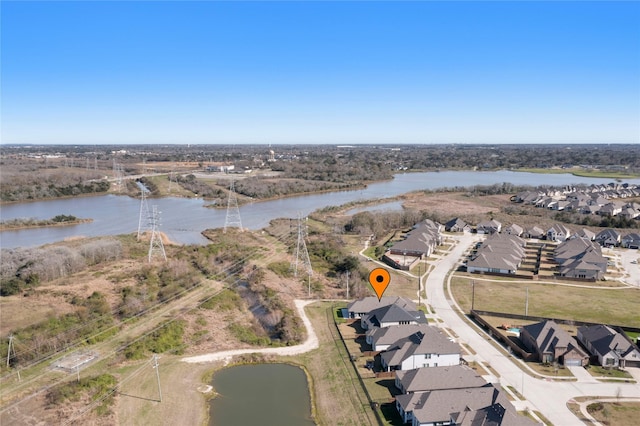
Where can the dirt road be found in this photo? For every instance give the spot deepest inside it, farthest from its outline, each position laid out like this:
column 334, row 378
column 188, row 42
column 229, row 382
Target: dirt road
column 309, row 344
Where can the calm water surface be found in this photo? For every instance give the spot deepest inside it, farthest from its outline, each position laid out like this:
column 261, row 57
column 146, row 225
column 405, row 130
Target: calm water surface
column 261, row 394
column 184, row 219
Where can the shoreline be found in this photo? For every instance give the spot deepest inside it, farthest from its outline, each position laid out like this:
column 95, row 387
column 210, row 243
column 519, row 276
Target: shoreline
column 4, row 227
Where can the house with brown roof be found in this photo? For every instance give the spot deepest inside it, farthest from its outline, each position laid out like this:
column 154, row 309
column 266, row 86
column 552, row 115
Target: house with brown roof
column 552, row 344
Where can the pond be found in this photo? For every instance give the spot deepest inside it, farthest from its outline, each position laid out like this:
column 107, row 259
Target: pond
column 264, row 394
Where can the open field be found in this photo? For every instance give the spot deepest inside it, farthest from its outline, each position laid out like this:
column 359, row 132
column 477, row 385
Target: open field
column 578, row 171
column 599, row 305
column 615, row 413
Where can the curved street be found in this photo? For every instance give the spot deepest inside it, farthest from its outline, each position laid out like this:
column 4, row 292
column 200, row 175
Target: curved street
column 546, row 396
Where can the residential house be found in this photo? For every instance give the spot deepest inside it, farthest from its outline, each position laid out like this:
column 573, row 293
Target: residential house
column 613, row 349
column 608, row 238
column 457, row 225
column 489, row 227
column 473, row 406
column 514, row 230
column 499, row 253
column 380, row 338
column 431, row 348
column 558, row 232
column 552, row 344
column 363, row 306
column 580, row 258
column 631, row 241
column 534, row 232
column 610, row 209
column 438, row 378
column 420, row 242
column 585, row 233
column 391, row 315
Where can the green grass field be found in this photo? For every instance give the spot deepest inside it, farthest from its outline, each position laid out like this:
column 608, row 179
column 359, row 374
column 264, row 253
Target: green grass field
column 606, row 305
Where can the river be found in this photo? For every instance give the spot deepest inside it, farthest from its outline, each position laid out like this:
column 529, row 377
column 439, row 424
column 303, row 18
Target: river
column 261, row 394
column 182, row 219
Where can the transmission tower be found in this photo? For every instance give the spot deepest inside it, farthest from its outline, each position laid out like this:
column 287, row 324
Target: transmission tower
column 172, row 177
column 143, row 221
column 155, row 245
column 301, row 254
column 233, row 212
column 10, row 349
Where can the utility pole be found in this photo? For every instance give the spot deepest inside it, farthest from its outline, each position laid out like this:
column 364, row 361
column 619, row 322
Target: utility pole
column 348, row 284
column 233, row 212
column 419, row 288
column 473, row 293
column 155, row 366
column 526, row 304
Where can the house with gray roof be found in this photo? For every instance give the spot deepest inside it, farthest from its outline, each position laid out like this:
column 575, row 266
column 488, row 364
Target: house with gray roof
column 457, row 225
column 380, row 338
column 585, row 233
column 489, row 227
column 420, row 242
column 438, row 378
column 499, row 253
column 558, row 232
column 363, row 306
column 514, row 229
column 608, row 238
column 431, row 348
column 580, row 258
column 631, row 241
column 487, row 404
column 612, row 348
column 391, row 315
column 552, row 344
column 534, row 232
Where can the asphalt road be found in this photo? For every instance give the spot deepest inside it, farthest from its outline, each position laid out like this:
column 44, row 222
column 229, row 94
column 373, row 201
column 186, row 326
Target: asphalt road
column 546, row 396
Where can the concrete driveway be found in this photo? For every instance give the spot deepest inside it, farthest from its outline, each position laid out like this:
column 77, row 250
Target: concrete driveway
column 626, row 256
column 546, row 396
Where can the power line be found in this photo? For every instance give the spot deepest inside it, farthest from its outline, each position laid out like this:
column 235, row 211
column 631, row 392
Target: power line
column 233, row 212
column 278, row 238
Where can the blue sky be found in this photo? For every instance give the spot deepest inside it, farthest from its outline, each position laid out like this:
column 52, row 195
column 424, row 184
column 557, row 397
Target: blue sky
column 320, row 72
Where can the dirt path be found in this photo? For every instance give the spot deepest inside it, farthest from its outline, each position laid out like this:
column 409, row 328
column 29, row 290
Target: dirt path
column 309, row 344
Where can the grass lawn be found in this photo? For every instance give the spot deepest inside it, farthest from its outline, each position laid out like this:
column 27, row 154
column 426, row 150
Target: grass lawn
column 615, row 413
column 598, row 371
column 599, row 305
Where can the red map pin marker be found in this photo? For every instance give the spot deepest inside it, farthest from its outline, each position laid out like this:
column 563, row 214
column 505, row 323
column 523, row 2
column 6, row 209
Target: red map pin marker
column 379, row 279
